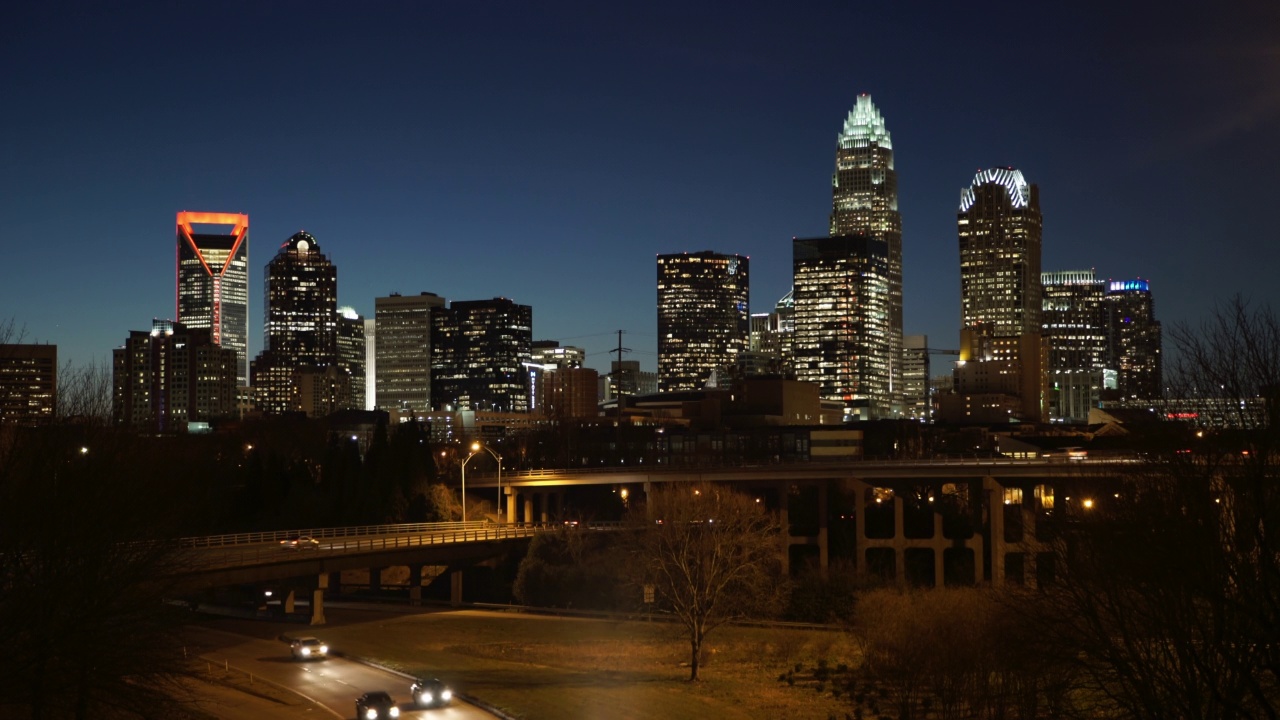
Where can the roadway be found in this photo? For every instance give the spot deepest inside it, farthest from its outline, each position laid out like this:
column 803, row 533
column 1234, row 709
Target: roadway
column 330, row 686
column 868, row 470
column 248, row 558
column 266, row 548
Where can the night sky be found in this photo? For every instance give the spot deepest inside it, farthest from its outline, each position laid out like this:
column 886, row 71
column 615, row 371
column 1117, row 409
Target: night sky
column 546, row 152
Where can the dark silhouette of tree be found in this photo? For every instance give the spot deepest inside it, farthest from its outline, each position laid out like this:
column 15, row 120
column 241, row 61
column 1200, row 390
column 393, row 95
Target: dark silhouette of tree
column 1168, row 594
column 953, row 653
column 711, row 554
column 575, row 567
column 830, row 597
column 86, row 517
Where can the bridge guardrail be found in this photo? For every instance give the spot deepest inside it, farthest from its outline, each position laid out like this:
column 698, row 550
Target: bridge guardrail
column 244, row 555
column 276, row 536
column 663, row 468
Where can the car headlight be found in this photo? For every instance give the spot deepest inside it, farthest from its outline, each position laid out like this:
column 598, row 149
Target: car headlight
column 395, row 711
column 371, row 713
column 324, row 649
column 446, row 695
column 427, row 696
column 306, row 651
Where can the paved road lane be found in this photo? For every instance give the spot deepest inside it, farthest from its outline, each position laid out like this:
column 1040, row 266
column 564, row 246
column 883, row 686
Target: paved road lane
column 332, row 683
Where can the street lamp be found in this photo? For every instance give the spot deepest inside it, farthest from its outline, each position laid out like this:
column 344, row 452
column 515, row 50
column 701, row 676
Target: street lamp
column 476, row 447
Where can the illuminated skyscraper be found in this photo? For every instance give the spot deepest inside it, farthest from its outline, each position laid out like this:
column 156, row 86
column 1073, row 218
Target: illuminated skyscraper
column 840, row 294
column 999, row 227
column 1075, row 331
column 1073, row 319
column 213, row 281
column 404, row 350
column 1002, row 356
column 865, row 202
column 351, row 354
column 478, row 353
column 703, row 316
column 1134, row 339
column 301, row 321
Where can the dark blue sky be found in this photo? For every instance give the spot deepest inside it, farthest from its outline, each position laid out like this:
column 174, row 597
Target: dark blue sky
column 546, row 152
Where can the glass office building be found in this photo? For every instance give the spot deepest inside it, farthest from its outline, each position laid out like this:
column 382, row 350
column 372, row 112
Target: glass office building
column 704, row 320
column 213, row 280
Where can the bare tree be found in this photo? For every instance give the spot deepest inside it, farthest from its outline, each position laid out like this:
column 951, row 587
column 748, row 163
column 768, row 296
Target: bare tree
column 711, row 554
column 11, row 332
column 85, row 392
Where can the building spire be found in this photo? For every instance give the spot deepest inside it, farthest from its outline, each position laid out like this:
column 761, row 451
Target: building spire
column 864, row 126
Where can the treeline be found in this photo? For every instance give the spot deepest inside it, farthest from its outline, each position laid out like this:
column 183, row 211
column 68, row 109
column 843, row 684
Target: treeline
column 293, row 472
column 88, row 518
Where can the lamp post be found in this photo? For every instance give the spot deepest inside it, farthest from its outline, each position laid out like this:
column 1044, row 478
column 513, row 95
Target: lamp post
column 476, row 447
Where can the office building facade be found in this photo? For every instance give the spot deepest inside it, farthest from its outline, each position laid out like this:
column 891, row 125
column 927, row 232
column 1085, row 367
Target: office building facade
column 28, row 383
column 1073, row 319
column 404, row 350
column 165, row 379
column 551, row 352
column 1074, row 327
column 1134, row 339
column 213, row 280
column 841, row 341
column 772, row 334
column 703, row 316
column 370, row 364
column 917, row 395
column 625, row 380
column 564, row 392
column 865, row 202
column 558, row 384
column 1001, row 372
column 351, row 356
column 301, row 327
column 479, row 349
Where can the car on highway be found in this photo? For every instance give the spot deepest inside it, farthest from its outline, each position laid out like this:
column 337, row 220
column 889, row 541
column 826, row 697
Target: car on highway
column 299, row 542
column 430, row 692
column 376, row 705
column 308, row 648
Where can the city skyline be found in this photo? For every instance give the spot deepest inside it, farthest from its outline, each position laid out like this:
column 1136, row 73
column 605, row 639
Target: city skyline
column 547, row 155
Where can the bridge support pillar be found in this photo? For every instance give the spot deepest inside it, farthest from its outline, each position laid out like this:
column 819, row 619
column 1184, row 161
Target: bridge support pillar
column 899, row 540
column 824, row 556
column 317, row 600
column 288, row 603
column 415, row 584
column 510, row 504
column 528, row 507
column 455, row 588
column 993, row 503
column 940, row 554
column 784, row 520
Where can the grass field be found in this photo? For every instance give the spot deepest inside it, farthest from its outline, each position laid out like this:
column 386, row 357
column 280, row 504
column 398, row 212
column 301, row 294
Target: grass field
column 548, row 668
